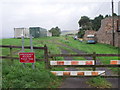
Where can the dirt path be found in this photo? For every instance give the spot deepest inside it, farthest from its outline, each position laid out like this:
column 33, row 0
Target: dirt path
column 81, row 82
column 73, row 82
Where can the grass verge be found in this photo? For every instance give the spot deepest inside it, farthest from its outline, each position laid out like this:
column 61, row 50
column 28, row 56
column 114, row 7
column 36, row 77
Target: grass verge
column 99, row 82
column 15, row 76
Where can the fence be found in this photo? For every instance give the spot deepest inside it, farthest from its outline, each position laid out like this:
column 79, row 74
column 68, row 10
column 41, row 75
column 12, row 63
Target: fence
column 93, row 55
column 26, row 47
column 47, row 56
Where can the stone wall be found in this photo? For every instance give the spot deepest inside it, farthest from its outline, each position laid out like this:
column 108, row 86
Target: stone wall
column 105, row 33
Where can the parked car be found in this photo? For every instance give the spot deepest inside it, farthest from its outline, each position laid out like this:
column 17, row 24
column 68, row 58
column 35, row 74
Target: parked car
column 91, row 41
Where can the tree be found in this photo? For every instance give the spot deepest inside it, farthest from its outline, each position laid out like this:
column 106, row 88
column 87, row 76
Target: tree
column 81, row 33
column 106, row 16
column 114, row 14
column 90, row 24
column 84, row 21
column 96, row 22
column 55, row 31
column 85, row 24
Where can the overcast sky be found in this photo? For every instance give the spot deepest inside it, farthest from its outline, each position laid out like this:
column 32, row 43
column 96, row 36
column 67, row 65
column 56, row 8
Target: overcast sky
column 50, row 13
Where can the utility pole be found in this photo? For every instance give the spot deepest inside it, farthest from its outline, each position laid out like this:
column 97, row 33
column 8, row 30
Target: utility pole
column 113, row 39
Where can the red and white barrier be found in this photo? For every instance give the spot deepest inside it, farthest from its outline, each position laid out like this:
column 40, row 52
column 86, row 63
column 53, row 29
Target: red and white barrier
column 85, row 62
column 115, row 62
column 78, row 73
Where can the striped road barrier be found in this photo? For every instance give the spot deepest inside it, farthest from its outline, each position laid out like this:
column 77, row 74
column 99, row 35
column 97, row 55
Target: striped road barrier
column 78, row 73
column 84, row 62
column 115, row 62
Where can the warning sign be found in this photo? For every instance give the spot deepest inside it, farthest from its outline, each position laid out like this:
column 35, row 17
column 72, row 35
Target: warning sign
column 27, row 57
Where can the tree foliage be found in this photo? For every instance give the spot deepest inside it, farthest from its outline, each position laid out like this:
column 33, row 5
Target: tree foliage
column 85, row 23
column 114, row 14
column 96, row 23
column 55, row 31
column 81, row 33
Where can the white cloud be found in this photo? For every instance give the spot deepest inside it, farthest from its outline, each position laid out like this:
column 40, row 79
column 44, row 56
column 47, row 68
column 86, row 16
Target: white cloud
column 49, row 13
column 57, row 1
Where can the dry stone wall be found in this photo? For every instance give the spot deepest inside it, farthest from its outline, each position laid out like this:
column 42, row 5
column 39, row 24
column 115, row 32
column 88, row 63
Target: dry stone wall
column 105, row 33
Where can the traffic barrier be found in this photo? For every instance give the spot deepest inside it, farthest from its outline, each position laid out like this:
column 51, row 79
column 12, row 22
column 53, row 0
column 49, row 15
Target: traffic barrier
column 78, row 73
column 85, row 62
column 115, row 62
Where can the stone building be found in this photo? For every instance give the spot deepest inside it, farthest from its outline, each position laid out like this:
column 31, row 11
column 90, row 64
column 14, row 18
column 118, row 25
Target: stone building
column 105, row 33
column 89, row 32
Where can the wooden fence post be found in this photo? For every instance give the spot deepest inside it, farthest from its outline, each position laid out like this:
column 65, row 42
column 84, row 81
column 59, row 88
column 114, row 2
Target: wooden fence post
column 11, row 55
column 47, row 63
column 94, row 58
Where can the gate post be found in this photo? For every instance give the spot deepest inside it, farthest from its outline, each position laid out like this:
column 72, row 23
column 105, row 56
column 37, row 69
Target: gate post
column 11, row 53
column 94, row 58
column 47, row 65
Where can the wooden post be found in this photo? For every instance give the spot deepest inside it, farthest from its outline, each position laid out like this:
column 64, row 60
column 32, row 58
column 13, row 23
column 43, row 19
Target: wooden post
column 47, row 64
column 94, row 58
column 11, row 53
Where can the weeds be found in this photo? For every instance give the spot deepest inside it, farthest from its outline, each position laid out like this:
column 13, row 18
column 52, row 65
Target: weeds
column 99, row 82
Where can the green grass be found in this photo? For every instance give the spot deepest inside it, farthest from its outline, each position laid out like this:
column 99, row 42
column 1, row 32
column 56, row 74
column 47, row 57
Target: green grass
column 99, row 82
column 90, row 48
column 0, row 73
column 15, row 76
column 98, row 48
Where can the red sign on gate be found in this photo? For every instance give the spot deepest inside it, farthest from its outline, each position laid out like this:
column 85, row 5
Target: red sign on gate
column 27, row 57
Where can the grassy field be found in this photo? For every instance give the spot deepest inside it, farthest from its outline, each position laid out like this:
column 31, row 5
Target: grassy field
column 98, row 48
column 15, row 76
